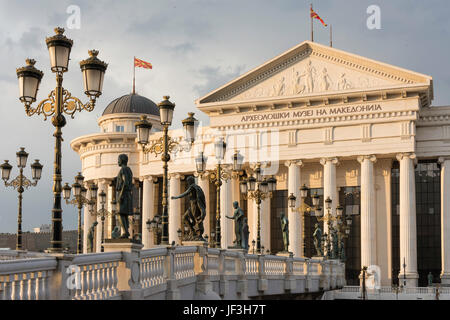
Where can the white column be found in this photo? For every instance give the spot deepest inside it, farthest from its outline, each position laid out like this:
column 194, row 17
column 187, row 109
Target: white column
column 445, row 220
column 88, row 219
column 147, row 211
column 329, row 185
column 102, row 186
column 295, row 218
column 226, row 225
column 265, row 224
column 174, row 207
column 108, row 223
column 203, row 183
column 408, row 239
column 368, row 213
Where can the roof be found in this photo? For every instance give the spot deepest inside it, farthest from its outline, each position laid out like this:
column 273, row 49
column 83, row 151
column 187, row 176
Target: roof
column 132, row 103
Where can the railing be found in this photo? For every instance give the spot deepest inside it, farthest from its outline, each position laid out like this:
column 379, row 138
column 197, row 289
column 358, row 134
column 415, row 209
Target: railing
column 298, row 267
column 160, row 272
column 153, row 267
column 184, row 262
column 26, row 279
column 97, row 276
column 274, row 265
column 251, row 265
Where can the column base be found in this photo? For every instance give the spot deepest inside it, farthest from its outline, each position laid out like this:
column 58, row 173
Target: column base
column 445, row 279
column 409, row 280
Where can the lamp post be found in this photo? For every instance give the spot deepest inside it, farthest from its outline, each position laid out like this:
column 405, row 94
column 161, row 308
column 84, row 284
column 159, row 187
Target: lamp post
column 80, row 199
column 328, row 218
column 258, row 188
column 220, row 174
column 21, row 183
column 102, row 213
column 60, row 101
column 154, row 225
column 304, row 209
column 165, row 145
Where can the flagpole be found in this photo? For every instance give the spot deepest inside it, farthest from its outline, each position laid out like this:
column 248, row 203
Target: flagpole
column 312, row 23
column 331, row 35
column 134, row 74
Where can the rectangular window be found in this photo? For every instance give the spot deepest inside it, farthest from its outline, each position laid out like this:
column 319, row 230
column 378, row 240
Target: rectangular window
column 119, row 128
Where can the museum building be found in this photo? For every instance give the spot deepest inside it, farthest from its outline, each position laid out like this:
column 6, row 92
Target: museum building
column 359, row 131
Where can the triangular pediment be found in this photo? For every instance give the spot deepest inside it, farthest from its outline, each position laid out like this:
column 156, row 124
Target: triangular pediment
column 311, row 68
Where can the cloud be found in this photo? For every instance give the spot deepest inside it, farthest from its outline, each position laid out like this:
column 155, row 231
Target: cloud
column 212, row 77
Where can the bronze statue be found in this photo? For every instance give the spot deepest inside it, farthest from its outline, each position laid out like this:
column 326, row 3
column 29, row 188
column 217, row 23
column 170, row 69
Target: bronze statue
column 196, row 212
column 318, row 240
column 238, row 218
column 124, row 185
column 245, row 234
column 115, row 233
column 430, row 279
column 90, row 236
column 335, row 242
column 285, row 230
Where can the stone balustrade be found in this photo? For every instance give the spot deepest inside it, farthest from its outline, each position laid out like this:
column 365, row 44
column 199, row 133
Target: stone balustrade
column 172, row 272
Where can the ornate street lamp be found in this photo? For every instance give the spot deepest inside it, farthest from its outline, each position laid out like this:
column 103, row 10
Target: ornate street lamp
column 154, row 225
column 164, row 146
column 60, row 101
column 215, row 177
column 303, row 210
column 258, row 188
column 103, row 213
column 21, row 183
column 80, row 199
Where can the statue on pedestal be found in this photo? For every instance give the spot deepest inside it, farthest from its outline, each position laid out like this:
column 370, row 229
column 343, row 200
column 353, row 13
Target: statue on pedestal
column 335, row 242
column 124, row 185
column 317, row 235
column 285, row 230
column 115, row 234
column 90, row 237
column 196, row 212
column 245, row 234
column 238, row 218
column 430, row 279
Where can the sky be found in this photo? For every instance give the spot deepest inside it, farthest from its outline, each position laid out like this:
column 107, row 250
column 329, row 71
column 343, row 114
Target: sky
column 195, row 46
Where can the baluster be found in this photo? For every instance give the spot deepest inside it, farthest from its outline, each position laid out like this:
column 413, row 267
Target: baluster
column 84, row 282
column 32, row 286
column 91, row 281
column 146, row 272
column 40, row 294
column 109, row 285
column 16, row 287
column 6, row 287
column 100, row 281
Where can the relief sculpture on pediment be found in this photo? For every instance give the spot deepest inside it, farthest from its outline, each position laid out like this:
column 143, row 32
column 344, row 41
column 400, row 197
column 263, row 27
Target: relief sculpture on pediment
column 310, row 76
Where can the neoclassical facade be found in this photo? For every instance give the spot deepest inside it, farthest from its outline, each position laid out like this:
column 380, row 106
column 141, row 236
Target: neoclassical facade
column 361, row 132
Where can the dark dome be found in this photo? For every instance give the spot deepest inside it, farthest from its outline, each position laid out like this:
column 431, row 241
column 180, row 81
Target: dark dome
column 132, row 103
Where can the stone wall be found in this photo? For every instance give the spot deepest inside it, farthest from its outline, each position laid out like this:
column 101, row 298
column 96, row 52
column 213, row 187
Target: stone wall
column 38, row 242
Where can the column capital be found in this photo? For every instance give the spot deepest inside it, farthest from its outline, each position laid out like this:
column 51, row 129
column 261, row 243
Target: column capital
column 442, row 159
column 333, row 160
column 299, row 163
column 175, row 175
column 147, row 177
column 409, row 155
column 370, row 157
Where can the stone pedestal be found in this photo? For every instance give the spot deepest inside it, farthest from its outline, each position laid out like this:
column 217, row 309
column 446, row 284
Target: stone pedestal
column 193, row 243
column 128, row 272
column 285, row 254
column 125, row 245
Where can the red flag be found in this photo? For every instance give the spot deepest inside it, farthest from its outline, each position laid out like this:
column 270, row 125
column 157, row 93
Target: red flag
column 315, row 15
column 142, row 63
